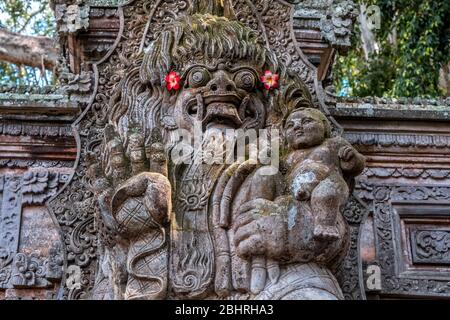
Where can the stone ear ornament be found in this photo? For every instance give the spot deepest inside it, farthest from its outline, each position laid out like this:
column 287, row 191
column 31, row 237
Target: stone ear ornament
column 270, row 80
column 172, row 81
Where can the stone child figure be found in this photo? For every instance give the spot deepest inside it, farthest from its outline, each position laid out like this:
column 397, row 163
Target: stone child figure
column 318, row 165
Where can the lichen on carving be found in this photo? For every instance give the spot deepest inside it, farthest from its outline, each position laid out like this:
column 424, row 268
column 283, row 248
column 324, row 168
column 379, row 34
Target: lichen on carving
column 166, row 229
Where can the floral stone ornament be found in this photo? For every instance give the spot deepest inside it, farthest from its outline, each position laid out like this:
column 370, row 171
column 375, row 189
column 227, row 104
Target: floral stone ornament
column 270, row 80
column 172, row 81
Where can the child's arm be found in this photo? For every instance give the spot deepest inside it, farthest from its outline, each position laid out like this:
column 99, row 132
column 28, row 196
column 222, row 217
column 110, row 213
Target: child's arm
column 351, row 161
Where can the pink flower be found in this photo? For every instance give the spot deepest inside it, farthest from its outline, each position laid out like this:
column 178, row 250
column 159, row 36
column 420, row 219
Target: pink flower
column 270, row 80
column 172, row 81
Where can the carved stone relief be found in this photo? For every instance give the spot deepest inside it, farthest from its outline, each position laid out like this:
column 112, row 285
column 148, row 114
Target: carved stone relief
column 336, row 25
column 72, row 18
column 431, row 246
column 23, row 270
column 427, row 247
column 138, row 225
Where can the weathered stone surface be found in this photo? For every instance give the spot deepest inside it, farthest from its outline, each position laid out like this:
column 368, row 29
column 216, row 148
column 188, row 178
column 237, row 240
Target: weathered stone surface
column 204, row 229
column 220, row 229
column 72, row 18
column 29, row 258
column 405, row 185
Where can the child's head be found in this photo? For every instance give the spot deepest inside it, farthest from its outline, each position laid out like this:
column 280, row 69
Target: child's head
column 306, row 127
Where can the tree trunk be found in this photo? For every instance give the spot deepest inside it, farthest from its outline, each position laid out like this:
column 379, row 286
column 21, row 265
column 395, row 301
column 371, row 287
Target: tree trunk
column 367, row 37
column 444, row 79
column 33, row 51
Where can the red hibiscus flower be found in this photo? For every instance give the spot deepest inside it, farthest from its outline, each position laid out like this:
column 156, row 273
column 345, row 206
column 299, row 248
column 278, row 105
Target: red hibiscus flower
column 270, row 80
column 172, row 81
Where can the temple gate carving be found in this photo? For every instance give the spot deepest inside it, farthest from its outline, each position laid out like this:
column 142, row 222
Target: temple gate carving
column 139, row 211
column 161, row 229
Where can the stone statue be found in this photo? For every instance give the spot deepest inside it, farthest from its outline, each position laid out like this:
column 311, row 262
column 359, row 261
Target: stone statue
column 287, row 228
column 317, row 163
column 200, row 230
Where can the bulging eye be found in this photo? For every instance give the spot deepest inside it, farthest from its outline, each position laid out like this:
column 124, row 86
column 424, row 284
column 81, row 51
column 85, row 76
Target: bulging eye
column 198, row 77
column 245, row 80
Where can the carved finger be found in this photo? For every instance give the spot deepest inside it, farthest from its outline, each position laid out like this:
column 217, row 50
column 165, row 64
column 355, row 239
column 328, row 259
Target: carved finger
column 252, row 205
column 109, row 133
column 229, row 193
column 114, row 162
column 99, row 184
column 346, row 153
column 246, row 231
column 136, row 153
column 155, row 153
column 218, row 196
column 341, row 152
column 253, row 246
column 349, row 154
column 117, row 165
column 242, row 220
column 94, row 170
column 98, row 181
column 104, row 201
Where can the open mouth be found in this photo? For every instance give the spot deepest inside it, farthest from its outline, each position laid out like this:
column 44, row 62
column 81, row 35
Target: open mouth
column 222, row 115
column 217, row 110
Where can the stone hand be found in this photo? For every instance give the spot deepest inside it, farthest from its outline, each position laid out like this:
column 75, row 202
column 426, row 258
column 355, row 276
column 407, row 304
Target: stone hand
column 348, row 157
column 126, row 188
column 346, row 153
column 351, row 160
column 260, row 230
column 121, row 162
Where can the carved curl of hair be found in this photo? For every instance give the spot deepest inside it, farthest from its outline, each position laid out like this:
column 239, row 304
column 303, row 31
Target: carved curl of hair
column 135, row 105
column 202, row 37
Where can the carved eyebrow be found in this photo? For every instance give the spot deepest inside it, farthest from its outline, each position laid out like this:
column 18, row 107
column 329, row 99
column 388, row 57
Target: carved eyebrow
column 216, row 65
column 247, row 68
column 183, row 75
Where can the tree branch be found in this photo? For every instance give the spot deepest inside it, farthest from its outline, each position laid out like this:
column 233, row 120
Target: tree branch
column 27, row 50
column 40, row 10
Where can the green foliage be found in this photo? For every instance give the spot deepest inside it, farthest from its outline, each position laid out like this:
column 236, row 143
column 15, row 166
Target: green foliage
column 406, row 66
column 30, row 17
